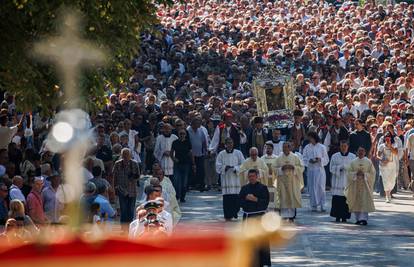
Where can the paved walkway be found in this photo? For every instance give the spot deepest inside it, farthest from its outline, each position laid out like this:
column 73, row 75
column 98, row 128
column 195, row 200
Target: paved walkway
column 388, row 240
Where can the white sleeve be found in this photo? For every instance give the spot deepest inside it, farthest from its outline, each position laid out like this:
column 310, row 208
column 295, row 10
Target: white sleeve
column 243, row 138
column 325, row 157
column 306, row 157
column 327, row 141
column 240, row 160
column 219, row 164
column 157, row 149
column 334, row 166
column 215, row 141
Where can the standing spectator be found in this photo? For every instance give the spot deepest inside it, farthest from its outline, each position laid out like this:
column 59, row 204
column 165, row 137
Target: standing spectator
column 199, row 140
column 3, row 203
column 35, row 202
column 106, row 210
column 51, row 204
column 15, row 189
column 162, row 151
column 181, row 151
column 17, row 211
column 126, row 174
column 7, row 133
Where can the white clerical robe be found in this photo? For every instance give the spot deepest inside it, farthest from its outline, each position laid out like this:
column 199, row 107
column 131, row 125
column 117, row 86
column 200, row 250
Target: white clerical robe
column 257, row 164
column 230, row 182
column 163, row 144
column 316, row 173
column 338, row 166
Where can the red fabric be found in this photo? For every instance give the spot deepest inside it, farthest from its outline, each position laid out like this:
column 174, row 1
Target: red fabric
column 177, row 246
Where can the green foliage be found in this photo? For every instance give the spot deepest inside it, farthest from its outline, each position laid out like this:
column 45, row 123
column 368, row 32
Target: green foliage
column 112, row 24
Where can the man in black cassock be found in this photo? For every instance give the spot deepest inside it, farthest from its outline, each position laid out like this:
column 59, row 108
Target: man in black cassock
column 254, row 199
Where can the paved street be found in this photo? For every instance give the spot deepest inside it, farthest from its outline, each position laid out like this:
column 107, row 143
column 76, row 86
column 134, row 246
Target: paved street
column 388, row 240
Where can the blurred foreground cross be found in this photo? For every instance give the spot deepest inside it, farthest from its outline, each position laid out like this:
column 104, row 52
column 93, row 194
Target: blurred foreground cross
column 70, row 53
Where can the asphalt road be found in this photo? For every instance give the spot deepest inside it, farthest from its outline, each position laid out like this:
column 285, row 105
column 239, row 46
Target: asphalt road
column 388, row 240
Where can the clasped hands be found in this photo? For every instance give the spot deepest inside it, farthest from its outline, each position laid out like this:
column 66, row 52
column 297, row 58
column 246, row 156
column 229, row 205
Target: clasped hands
column 315, row 160
column 251, row 197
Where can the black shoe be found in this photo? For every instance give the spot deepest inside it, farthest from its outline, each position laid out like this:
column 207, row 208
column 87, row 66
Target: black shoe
column 363, row 222
column 291, row 220
column 228, row 219
column 343, row 220
column 182, row 200
column 337, row 220
column 236, row 217
column 202, row 189
column 358, row 222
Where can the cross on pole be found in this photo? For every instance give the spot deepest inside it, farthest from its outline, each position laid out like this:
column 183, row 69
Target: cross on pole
column 69, row 53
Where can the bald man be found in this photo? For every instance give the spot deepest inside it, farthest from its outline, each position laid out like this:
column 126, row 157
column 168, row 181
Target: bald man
column 253, row 162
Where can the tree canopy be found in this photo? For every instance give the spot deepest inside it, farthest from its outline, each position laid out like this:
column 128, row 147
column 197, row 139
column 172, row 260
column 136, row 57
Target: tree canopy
column 115, row 25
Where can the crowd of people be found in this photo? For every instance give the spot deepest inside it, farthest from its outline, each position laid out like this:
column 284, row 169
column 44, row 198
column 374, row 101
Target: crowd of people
column 188, row 117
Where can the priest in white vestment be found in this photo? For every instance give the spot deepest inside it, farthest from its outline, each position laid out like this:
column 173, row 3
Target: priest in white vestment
column 359, row 191
column 289, row 173
column 316, row 158
column 253, row 162
column 162, row 149
column 338, row 166
column 228, row 163
column 269, row 159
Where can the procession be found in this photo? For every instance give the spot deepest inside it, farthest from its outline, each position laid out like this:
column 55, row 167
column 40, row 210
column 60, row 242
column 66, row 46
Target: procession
column 304, row 109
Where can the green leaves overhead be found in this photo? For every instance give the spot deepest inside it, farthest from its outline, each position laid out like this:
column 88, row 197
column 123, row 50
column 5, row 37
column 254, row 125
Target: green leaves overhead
column 115, row 25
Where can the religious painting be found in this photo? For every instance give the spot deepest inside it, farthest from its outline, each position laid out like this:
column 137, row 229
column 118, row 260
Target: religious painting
column 275, row 98
column 275, row 92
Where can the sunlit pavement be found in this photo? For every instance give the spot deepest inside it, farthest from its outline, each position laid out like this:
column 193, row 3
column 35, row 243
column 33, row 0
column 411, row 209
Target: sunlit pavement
column 388, row 240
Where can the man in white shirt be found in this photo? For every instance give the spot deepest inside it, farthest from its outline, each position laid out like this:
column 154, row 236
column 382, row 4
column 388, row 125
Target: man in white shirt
column 15, row 189
column 362, row 105
column 344, row 59
column 6, row 132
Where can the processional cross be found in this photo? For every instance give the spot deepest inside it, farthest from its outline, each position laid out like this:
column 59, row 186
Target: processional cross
column 68, row 52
